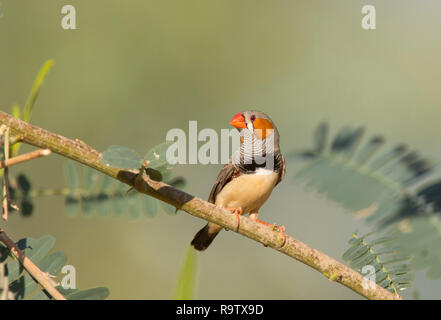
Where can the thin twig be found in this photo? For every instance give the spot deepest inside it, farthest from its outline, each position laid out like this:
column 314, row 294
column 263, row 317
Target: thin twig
column 6, row 294
column 33, row 270
column 81, row 152
column 5, row 176
column 25, row 157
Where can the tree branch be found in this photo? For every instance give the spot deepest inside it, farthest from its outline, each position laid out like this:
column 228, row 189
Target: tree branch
column 81, row 152
column 33, row 270
column 24, row 157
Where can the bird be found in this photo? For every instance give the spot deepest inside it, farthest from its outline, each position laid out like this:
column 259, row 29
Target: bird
column 245, row 183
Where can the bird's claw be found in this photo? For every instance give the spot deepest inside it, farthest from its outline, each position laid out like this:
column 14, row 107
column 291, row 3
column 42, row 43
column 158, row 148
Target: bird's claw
column 281, row 230
column 237, row 212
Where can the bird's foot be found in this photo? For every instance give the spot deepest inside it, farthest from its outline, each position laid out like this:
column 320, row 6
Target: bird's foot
column 264, row 223
column 253, row 216
column 281, row 230
column 275, row 227
column 237, row 212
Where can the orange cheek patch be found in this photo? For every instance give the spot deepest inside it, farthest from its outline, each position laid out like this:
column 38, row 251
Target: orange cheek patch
column 263, row 128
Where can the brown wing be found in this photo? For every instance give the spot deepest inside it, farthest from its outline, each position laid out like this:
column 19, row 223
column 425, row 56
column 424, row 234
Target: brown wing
column 282, row 170
column 227, row 173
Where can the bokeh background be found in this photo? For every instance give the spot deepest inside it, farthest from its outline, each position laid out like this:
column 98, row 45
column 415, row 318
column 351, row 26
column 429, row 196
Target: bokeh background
column 135, row 69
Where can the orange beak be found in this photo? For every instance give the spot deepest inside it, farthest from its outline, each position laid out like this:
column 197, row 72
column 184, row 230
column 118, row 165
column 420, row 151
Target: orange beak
column 238, row 121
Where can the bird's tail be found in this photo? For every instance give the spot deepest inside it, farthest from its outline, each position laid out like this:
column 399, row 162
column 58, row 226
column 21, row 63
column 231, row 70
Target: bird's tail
column 205, row 236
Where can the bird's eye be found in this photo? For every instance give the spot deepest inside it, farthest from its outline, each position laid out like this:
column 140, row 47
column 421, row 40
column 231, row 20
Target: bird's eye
column 253, row 117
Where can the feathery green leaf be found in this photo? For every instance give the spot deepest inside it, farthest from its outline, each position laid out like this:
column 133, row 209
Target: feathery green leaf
column 391, row 271
column 23, row 286
column 376, row 183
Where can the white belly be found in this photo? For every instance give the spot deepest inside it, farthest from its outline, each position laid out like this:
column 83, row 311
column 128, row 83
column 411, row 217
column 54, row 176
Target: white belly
column 248, row 191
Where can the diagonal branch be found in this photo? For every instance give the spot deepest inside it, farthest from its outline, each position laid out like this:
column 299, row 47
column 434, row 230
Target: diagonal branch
column 81, row 152
column 33, row 270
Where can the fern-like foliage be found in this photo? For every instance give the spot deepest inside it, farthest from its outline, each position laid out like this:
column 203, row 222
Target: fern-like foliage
column 385, row 257
column 93, row 193
column 379, row 184
column 23, row 286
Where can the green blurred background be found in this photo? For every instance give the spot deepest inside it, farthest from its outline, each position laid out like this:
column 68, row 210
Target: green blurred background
column 135, row 69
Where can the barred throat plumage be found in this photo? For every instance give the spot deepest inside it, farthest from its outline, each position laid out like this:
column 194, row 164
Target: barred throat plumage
column 255, row 153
